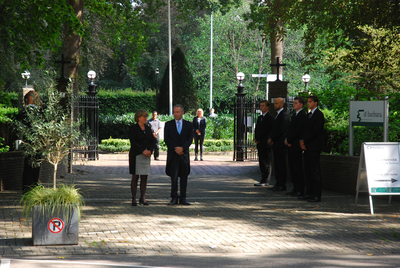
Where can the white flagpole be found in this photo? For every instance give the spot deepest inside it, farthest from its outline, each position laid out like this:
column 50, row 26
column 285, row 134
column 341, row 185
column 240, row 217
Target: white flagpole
column 170, row 58
column 211, row 61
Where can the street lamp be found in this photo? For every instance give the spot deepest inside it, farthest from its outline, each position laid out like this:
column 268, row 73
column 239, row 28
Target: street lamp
column 157, row 73
column 240, row 77
column 239, row 123
column 306, row 78
column 26, row 75
column 92, row 87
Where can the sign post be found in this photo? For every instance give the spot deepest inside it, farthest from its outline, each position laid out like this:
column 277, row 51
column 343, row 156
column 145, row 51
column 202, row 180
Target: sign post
column 379, row 170
column 368, row 113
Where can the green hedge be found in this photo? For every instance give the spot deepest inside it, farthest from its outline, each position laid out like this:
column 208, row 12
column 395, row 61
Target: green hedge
column 117, row 126
column 123, row 145
column 125, row 101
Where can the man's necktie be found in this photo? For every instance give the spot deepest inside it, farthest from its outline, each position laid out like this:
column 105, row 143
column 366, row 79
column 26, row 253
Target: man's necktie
column 179, row 127
column 309, row 115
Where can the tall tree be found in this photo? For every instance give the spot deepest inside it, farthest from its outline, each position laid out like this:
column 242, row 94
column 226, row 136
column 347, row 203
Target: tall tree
column 184, row 90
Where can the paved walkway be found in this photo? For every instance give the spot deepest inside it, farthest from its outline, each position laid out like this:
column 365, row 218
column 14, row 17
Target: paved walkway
column 228, row 215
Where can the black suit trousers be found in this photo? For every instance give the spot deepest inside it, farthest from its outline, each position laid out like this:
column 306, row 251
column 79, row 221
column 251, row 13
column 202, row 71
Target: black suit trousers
column 280, row 166
column 313, row 173
column 264, row 161
column 181, row 171
column 198, row 139
column 295, row 159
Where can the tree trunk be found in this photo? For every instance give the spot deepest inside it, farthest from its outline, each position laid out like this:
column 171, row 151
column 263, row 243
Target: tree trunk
column 55, row 176
column 276, row 40
column 72, row 45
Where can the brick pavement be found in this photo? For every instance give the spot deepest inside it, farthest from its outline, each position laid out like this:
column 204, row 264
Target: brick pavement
column 228, row 215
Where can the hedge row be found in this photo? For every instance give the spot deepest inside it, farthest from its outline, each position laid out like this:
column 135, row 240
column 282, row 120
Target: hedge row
column 125, row 101
column 117, row 126
column 123, row 145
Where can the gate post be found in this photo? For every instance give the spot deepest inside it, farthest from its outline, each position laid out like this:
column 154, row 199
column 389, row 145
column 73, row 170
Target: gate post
column 240, row 127
column 93, row 118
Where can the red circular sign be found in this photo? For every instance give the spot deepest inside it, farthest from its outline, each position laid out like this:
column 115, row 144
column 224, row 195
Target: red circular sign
column 55, row 225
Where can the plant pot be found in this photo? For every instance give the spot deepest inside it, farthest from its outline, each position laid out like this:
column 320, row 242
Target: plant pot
column 58, row 228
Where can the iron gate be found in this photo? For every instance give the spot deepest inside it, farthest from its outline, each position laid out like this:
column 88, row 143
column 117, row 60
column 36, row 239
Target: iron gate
column 87, row 108
column 247, row 110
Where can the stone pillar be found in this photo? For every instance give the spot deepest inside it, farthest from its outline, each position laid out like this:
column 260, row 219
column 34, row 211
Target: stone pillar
column 277, row 89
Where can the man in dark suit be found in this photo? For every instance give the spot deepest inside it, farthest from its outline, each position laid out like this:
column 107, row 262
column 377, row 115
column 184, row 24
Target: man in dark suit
column 263, row 129
column 312, row 144
column 277, row 140
column 292, row 141
column 178, row 136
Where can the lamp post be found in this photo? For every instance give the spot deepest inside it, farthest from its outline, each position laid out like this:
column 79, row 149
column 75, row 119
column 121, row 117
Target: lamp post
column 157, row 73
column 91, row 87
column 240, row 128
column 92, row 116
column 26, row 75
column 306, row 78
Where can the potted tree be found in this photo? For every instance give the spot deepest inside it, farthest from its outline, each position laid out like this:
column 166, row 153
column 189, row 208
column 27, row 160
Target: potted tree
column 49, row 133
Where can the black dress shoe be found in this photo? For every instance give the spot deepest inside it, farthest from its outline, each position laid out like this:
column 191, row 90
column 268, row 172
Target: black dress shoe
column 184, row 202
column 134, row 204
column 305, row 197
column 314, row 199
column 272, row 188
column 279, row 188
column 291, row 192
column 174, row 201
column 297, row 194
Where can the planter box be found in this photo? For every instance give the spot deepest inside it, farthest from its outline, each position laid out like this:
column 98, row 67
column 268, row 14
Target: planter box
column 55, row 228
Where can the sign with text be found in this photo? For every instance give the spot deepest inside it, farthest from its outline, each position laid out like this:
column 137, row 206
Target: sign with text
column 383, row 168
column 379, row 168
column 367, row 113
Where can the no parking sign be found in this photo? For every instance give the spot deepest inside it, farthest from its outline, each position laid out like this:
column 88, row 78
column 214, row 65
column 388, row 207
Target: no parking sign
column 55, row 225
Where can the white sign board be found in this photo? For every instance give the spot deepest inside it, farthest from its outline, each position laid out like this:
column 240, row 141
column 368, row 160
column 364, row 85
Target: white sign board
column 367, row 112
column 380, row 163
column 383, row 168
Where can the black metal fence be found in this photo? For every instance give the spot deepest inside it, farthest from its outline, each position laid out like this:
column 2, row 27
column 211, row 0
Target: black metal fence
column 87, row 110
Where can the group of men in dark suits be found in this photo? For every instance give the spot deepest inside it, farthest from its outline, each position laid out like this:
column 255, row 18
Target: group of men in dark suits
column 291, row 137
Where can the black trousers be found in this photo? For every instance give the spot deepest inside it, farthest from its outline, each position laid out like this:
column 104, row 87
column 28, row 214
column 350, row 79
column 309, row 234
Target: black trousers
column 198, row 139
column 313, row 173
column 157, row 148
column 30, row 175
column 295, row 159
column 264, row 161
column 280, row 166
column 181, row 171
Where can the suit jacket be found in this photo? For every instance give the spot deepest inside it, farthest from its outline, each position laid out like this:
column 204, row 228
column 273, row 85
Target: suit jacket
column 296, row 129
column 279, row 129
column 313, row 135
column 139, row 142
column 173, row 139
column 263, row 130
column 201, row 126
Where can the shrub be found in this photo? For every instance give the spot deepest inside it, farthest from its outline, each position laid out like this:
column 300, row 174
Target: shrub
column 123, row 145
column 220, row 127
column 120, row 102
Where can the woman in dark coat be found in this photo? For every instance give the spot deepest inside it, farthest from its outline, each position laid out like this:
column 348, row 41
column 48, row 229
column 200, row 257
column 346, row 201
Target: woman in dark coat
column 199, row 128
column 142, row 144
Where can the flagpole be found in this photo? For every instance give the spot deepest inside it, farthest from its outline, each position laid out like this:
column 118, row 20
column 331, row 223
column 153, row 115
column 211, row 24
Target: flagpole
column 170, row 58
